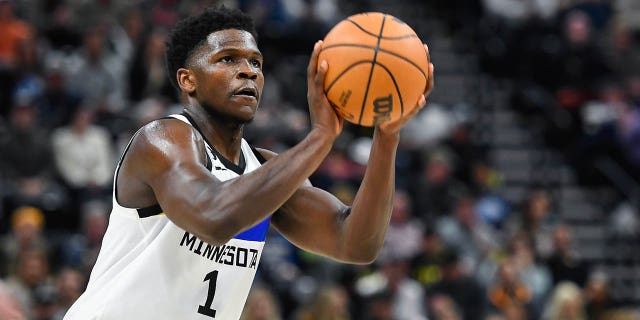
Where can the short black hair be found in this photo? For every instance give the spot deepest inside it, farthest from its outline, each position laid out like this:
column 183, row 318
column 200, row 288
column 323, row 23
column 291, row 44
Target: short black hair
column 191, row 32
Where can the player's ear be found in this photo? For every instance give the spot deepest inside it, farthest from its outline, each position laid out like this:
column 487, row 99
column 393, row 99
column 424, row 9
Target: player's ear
column 186, row 80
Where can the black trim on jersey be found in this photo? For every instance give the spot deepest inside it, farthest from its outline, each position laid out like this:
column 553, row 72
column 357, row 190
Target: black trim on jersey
column 258, row 155
column 209, row 164
column 237, row 168
column 149, row 211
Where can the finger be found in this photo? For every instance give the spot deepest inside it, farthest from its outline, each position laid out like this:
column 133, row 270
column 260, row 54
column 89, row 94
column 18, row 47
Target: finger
column 426, row 49
column 322, row 71
column 431, row 80
column 313, row 62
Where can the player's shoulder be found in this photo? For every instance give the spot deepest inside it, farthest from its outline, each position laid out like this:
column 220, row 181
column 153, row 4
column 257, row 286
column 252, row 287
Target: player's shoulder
column 167, row 130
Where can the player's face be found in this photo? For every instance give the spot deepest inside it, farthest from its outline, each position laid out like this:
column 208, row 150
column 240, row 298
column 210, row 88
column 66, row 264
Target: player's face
column 229, row 75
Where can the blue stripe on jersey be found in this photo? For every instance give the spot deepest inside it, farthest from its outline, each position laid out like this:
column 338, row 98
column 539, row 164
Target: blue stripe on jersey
column 256, row 233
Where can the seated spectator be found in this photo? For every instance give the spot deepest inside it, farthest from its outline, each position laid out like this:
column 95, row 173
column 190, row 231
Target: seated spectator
column 70, row 284
column 404, row 233
column 442, row 307
column 261, row 305
column 509, row 290
column 32, row 271
column 330, row 303
column 466, row 233
column 534, row 276
column 463, row 289
column 566, row 303
column 537, row 220
column 83, row 152
column 564, row 264
column 427, row 265
column 407, row 296
column 10, row 306
column 27, row 224
column 81, row 250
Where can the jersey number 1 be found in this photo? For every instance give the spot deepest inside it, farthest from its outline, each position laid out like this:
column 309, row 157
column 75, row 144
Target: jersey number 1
column 206, row 309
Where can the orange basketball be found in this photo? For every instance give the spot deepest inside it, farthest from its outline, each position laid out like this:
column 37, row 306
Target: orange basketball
column 378, row 68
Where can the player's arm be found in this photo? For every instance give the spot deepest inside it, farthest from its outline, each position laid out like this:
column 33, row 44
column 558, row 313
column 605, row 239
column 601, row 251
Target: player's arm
column 168, row 157
column 318, row 222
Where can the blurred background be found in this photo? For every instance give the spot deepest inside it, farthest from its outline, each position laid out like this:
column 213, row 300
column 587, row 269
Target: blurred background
column 518, row 188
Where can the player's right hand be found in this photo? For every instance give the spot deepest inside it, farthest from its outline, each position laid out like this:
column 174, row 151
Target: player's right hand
column 323, row 116
column 395, row 126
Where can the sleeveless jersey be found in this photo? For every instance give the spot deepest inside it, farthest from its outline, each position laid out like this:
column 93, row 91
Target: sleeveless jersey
column 149, row 268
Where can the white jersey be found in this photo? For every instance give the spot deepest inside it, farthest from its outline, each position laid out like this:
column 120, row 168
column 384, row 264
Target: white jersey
column 149, row 268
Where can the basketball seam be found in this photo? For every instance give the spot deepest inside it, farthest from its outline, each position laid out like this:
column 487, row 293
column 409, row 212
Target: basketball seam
column 381, row 50
column 351, row 66
column 406, row 36
column 395, row 84
column 373, row 64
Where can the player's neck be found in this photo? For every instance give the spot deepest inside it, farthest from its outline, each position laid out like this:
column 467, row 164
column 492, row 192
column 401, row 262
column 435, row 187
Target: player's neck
column 224, row 135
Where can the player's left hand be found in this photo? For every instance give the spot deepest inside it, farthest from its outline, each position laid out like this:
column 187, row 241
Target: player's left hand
column 393, row 127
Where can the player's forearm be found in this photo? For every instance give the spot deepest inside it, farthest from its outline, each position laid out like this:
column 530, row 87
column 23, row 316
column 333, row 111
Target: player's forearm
column 365, row 228
column 240, row 203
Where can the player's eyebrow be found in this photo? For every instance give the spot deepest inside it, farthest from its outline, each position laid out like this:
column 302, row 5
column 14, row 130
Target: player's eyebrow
column 239, row 51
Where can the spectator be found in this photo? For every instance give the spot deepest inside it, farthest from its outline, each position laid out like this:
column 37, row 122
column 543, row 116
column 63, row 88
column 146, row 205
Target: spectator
column 427, row 265
column 148, row 73
column 466, row 233
column 509, row 290
column 26, row 148
column 533, row 275
column 437, row 188
column 443, row 308
column 27, row 224
column 10, row 307
column 597, row 296
column 81, row 250
column 14, row 34
column 83, row 154
column 566, row 303
column 463, row 289
column 537, row 221
column 407, row 296
column 564, row 264
column 332, row 303
column 261, row 305
column 94, row 72
column 404, row 234
column 70, row 284
column 31, row 272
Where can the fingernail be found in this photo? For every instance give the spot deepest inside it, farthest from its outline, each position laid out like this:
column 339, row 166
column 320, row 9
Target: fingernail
column 324, row 64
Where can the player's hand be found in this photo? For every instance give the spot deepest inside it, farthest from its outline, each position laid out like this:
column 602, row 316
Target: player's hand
column 323, row 116
column 393, row 127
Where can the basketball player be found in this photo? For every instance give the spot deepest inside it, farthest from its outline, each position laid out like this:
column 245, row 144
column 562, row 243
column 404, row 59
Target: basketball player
column 192, row 200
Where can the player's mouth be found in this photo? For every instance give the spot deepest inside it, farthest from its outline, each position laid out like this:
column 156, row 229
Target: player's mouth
column 247, row 92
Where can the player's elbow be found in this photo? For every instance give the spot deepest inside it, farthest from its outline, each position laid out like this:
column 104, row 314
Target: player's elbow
column 218, row 232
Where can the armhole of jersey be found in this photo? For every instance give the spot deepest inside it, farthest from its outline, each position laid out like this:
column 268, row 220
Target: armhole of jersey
column 258, row 155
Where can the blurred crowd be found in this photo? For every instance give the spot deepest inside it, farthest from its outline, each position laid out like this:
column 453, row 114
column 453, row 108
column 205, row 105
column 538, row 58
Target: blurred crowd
column 79, row 77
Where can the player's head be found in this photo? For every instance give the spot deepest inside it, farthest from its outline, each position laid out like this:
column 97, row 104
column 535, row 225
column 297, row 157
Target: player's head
column 190, row 34
column 214, row 60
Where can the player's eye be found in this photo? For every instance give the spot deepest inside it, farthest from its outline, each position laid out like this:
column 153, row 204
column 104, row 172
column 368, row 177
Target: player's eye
column 226, row 59
column 256, row 63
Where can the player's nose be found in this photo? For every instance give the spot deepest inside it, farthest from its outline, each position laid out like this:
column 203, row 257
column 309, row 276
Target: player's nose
column 247, row 71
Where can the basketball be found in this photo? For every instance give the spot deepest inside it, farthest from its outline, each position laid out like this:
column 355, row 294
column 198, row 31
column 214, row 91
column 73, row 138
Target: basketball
column 378, row 68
